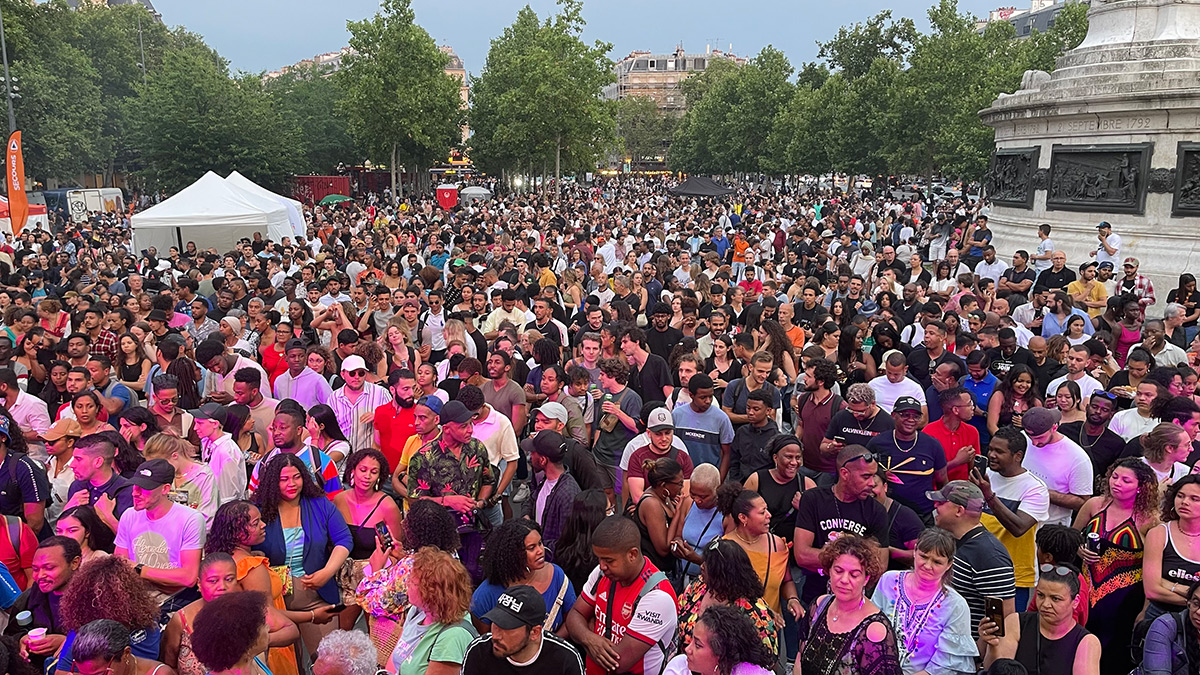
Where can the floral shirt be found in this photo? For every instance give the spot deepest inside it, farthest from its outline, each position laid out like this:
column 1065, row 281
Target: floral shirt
column 762, row 616
column 436, row 472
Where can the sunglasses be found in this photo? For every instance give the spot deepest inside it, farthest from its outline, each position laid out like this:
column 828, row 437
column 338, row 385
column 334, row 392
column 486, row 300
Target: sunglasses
column 356, row 373
column 867, row 457
column 1060, row 570
column 1107, row 395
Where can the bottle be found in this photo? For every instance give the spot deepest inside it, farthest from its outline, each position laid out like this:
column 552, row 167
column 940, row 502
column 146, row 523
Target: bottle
column 1093, row 542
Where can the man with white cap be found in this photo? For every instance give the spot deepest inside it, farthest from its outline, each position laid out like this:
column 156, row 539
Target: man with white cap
column 1059, row 462
column 518, row 641
column 658, row 441
column 579, row 460
column 355, row 403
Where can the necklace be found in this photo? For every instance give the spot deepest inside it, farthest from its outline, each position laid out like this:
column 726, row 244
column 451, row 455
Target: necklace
column 1084, row 434
column 748, row 542
column 896, row 440
column 1185, row 532
column 861, row 602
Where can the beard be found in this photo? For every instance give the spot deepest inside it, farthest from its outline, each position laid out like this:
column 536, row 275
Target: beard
column 406, row 402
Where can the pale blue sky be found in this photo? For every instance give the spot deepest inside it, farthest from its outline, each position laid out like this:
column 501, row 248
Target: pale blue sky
column 266, row 34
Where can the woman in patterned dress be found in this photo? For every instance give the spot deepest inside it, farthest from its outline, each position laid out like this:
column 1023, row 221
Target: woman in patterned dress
column 727, row 578
column 1121, row 518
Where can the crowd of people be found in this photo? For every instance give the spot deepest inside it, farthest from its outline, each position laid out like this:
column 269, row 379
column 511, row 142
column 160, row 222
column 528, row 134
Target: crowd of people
column 619, row 431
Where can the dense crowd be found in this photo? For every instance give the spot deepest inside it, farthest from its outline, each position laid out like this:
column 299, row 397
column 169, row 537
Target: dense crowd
column 618, row 431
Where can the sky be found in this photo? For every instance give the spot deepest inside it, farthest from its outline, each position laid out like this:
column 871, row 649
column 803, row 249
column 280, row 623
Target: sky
column 258, row 35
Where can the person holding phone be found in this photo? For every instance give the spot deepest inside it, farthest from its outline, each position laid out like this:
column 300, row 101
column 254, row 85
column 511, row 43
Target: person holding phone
column 1018, row 501
column 364, row 507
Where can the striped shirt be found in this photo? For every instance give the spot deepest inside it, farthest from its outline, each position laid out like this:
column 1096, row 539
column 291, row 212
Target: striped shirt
column 982, row 569
column 327, row 476
column 349, row 414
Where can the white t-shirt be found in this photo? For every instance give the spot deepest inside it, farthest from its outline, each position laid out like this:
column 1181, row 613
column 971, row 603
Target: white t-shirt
column 1128, row 424
column 1026, row 490
column 542, row 496
column 1064, row 467
column 1045, row 247
column 887, row 392
column 1114, row 240
column 1087, row 386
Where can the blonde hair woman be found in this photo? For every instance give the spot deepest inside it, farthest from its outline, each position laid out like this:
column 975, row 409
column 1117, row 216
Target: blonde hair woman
column 456, row 331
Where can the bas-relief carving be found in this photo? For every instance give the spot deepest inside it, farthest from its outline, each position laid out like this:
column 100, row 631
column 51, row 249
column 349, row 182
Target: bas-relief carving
column 1161, row 181
column 1010, row 179
column 1187, row 181
column 1102, row 178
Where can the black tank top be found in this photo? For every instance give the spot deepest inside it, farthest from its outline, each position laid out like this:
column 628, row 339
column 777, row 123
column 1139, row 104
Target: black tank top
column 665, row 563
column 779, row 502
column 1042, row 656
column 364, row 536
column 1176, row 569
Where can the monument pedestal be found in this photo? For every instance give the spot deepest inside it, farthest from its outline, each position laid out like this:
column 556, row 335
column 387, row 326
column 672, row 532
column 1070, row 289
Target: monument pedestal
column 1112, row 135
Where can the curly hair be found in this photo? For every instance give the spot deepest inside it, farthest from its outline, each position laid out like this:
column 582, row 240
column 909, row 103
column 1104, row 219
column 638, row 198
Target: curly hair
column 1168, row 505
column 16, row 442
column 1145, row 505
column 443, row 583
column 504, row 557
column 855, row 547
column 268, row 496
column 728, row 573
column 614, row 368
column 98, row 536
column 108, row 588
column 428, row 523
column 733, row 639
column 229, row 527
column 780, row 343
column 357, row 457
column 227, row 628
column 734, row 500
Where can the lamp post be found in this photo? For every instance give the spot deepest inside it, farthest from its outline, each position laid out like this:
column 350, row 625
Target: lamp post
column 8, row 83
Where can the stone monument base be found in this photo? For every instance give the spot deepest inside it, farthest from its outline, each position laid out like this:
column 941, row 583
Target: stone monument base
column 1112, row 135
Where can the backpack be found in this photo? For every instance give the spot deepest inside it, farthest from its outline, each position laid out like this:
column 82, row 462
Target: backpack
column 1137, row 643
column 651, row 583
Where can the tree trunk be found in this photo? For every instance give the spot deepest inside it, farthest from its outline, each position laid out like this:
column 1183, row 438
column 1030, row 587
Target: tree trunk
column 558, row 166
column 392, row 167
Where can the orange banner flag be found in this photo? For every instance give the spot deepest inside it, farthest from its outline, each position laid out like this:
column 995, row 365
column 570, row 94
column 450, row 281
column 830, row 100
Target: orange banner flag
column 18, row 202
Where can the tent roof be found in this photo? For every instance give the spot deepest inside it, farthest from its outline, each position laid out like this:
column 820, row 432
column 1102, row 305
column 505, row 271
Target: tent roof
column 211, row 201
column 700, row 186
column 295, row 210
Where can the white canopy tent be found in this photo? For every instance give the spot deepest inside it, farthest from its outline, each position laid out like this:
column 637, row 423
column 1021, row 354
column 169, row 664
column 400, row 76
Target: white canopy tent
column 295, row 209
column 212, row 213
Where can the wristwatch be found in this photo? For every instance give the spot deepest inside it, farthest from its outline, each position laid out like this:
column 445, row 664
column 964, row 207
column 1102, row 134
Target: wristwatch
column 138, row 569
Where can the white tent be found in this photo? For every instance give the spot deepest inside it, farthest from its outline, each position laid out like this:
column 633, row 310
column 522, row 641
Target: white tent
column 295, row 209
column 212, row 213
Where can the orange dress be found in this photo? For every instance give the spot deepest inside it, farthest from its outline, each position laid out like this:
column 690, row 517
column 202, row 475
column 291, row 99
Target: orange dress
column 280, row 660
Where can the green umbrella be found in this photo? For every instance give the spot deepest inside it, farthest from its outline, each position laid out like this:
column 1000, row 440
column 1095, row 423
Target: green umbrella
column 334, row 199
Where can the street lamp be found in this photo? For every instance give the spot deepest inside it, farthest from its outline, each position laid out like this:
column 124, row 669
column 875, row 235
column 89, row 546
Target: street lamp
column 8, row 81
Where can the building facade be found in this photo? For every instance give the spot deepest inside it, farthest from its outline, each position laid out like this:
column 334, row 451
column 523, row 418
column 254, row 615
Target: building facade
column 658, row 76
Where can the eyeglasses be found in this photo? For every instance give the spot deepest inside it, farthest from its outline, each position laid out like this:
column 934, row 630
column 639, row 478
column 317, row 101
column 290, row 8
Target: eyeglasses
column 1060, row 570
column 1194, row 604
column 867, row 457
column 356, row 373
column 108, row 667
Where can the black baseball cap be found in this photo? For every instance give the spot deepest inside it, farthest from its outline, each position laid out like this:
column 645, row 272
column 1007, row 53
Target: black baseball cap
column 518, row 607
column 455, row 412
column 153, row 474
column 906, row 404
column 294, row 343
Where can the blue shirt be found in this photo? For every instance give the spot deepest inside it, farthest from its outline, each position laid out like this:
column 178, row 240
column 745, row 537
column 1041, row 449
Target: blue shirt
column 1052, row 327
column 981, row 391
column 484, row 598
column 703, row 433
column 143, row 643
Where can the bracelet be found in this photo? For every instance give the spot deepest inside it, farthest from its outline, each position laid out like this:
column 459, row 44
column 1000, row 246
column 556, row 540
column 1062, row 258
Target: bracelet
column 314, row 616
column 1173, row 587
column 789, row 600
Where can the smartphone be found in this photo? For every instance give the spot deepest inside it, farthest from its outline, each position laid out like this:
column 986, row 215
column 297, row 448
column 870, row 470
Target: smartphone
column 993, row 608
column 981, row 464
column 839, row 438
column 339, row 607
column 381, row 529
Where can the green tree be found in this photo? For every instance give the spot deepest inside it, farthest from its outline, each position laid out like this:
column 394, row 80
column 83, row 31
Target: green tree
column 642, row 128
column 853, row 49
column 59, row 110
column 538, row 98
column 727, row 128
column 308, row 98
column 192, row 117
column 402, row 106
column 114, row 40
